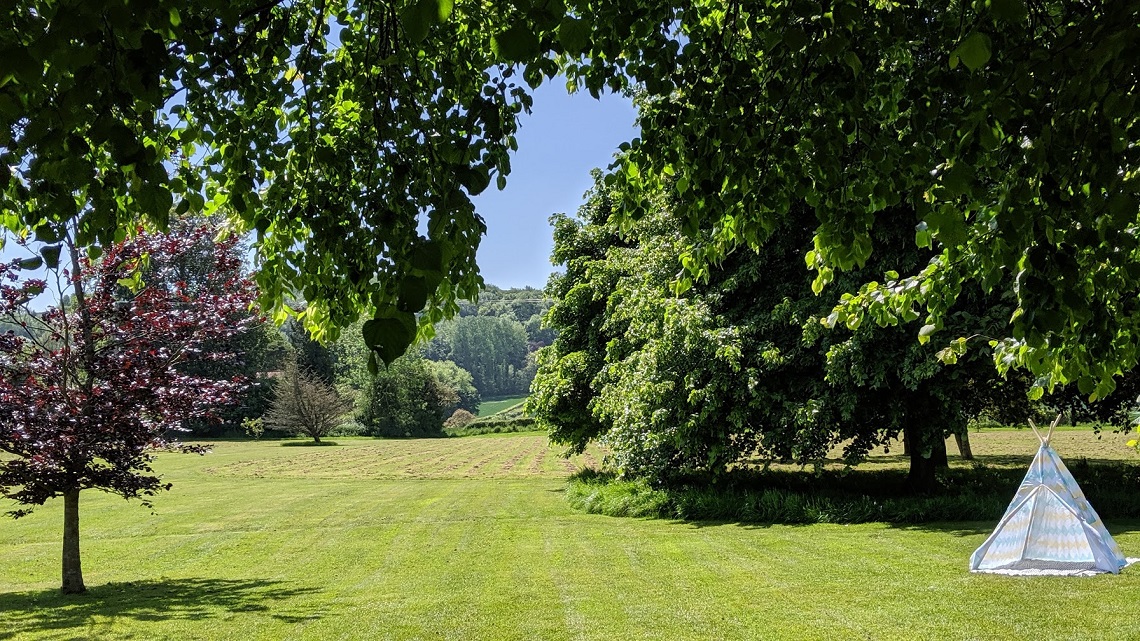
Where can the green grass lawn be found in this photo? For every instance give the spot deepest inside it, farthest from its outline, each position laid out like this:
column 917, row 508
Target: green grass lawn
column 487, row 408
column 473, row 539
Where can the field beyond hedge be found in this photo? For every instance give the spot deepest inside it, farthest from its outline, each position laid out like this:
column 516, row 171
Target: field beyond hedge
column 473, row 539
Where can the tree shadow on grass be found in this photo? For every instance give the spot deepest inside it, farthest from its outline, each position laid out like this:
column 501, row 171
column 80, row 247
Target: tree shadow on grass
column 154, row 601
column 309, row 444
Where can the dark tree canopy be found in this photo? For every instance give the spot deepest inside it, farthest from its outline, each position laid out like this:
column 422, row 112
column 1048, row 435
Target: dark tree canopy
column 258, row 351
column 407, row 399
column 1009, row 127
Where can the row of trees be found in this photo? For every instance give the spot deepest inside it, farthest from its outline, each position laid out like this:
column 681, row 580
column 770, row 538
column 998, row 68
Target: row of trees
column 412, row 396
column 495, row 349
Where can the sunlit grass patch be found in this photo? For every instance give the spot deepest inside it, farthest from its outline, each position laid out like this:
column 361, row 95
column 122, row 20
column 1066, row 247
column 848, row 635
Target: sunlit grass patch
column 487, row 408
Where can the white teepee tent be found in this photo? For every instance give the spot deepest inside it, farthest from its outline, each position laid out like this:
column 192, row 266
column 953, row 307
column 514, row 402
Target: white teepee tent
column 1049, row 528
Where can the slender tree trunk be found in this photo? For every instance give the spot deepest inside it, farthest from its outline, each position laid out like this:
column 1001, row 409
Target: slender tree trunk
column 963, row 440
column 72, row 571
column 81, row 377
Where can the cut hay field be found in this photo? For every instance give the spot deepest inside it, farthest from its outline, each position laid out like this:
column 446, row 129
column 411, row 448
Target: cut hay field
column 472, row 539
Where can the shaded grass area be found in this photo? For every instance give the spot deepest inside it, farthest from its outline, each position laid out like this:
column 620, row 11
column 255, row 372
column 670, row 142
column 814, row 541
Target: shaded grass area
column 137, row 602
column 876, row 491
column 258, row 541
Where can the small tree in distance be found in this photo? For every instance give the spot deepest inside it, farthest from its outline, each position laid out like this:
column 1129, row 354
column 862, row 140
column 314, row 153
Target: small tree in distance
column 90, row 388
column 305, row 404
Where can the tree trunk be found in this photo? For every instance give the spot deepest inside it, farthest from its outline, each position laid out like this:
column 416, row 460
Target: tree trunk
column 921, row 478
column 317, row 439
column 906, row 445
column 938, row 453
column 72, row 571
column 963, row 440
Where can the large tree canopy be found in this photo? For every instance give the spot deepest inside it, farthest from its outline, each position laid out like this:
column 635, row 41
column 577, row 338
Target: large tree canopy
column 338, row 130
column 1008, row 126
column 740, row 365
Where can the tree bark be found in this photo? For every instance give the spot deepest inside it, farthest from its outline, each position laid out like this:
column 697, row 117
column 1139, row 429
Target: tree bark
column 963, row 440
column 72, row 571
column 938, row 453
column 921, row 478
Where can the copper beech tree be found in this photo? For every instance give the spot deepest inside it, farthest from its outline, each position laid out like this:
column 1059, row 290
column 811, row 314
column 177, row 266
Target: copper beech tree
column 90, row 389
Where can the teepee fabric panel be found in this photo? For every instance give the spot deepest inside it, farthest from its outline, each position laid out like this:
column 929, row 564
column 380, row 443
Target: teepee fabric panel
column 999, row 551
column 1066, row 486
column 1056, row 532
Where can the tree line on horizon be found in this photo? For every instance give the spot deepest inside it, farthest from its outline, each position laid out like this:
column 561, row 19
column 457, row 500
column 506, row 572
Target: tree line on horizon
column 484, row 353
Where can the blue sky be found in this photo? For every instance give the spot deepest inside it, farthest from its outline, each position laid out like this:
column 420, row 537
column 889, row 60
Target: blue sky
column 563, row 138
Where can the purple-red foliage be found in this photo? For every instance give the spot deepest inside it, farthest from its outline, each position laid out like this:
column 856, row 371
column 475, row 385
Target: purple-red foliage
column 88, row 393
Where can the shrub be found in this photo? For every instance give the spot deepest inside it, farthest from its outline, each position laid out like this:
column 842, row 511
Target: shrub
column 254, row 427
column 495, row 427
column 305, row 404
column 459, row 419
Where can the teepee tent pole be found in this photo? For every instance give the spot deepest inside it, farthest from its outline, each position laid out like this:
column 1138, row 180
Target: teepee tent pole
column 1034, row 426
column 1051, row 428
